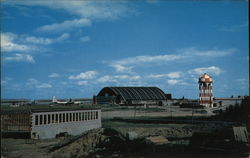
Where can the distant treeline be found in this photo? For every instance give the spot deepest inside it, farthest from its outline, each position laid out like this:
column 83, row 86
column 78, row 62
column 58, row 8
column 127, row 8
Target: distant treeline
column 237, row 112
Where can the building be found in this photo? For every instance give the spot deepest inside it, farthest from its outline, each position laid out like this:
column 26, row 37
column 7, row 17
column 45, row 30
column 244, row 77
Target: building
column 15, row 102
column 131, row 96
column 42, row 123
column 79, row 101
column 206, row 94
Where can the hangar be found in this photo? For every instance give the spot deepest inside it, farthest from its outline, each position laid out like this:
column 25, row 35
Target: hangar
column 131, row 96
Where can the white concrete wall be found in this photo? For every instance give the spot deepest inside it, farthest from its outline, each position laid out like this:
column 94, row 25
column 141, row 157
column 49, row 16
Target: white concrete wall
column 50, row 130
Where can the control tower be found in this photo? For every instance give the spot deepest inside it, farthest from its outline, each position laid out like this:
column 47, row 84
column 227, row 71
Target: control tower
column 205, row 87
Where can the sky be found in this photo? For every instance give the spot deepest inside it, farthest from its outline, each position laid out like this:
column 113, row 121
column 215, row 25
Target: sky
column 72, row 49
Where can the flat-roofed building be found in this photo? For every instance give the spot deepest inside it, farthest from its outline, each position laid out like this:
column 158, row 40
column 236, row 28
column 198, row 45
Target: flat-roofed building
column 15, row 102
column 49, row 122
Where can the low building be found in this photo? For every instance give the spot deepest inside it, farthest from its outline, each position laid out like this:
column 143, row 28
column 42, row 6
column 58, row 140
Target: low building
column 131, row 96
column 49, row 122
column 15, row 102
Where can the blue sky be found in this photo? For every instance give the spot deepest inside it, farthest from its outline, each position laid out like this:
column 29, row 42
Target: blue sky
column 72, row 49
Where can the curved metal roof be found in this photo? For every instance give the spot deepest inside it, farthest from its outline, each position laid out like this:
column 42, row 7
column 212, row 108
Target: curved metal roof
column 134, row 93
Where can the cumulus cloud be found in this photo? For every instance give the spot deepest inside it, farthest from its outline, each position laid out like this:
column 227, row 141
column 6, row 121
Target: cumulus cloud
column 84, row 75
column 172, row 82
column 106, row 78
column 24, row 45
column 20, row 57
column 54, row 75
column 11, row 42
column 65, row 26
column 8, row 43
column 45, row 41
column 121, row 68
column 209, row 70
column 32, row 81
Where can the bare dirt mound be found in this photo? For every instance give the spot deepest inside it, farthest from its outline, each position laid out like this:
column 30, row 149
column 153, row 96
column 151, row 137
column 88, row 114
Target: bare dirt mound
column 93, row 141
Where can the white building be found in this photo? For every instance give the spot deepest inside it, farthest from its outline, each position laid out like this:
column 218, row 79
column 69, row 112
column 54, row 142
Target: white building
column 47, row 123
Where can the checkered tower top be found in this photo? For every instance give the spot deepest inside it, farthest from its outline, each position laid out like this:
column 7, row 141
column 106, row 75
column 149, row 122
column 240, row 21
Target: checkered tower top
column 205, row 78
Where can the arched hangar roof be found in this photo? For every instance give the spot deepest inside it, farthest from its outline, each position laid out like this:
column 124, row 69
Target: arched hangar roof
column 134, row 93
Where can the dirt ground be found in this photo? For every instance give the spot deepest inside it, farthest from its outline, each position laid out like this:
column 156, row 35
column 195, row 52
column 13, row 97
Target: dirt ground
column 20, row 148
column 89, row 142
column 111, row 140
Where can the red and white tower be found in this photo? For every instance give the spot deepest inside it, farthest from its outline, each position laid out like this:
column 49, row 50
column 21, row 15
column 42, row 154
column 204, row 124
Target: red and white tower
column 205, row 87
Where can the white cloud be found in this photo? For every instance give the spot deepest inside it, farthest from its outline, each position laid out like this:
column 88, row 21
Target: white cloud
column 84, row 39
column 44, row 85
column 66, row 25
column 157, row 75
column 121, row 68
column 106, row 78
column 82, row 83
column 169, row 75
column 54, row 75
column 45, row 41
column 11, row 42
column 86, row 9
column 20, row 57
column 123, row 64
column 148, row 59
column 127, row 77
column 177, row 82
column 24, row 45
column 209, row 70
column 84, row 75
column 32, row 81
column 172, row 82
column 119, row 78
column 8, row 43
column 35, row 83
column 126, row 65
column 38, row 40
column 192, row 52
column 174, row 75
